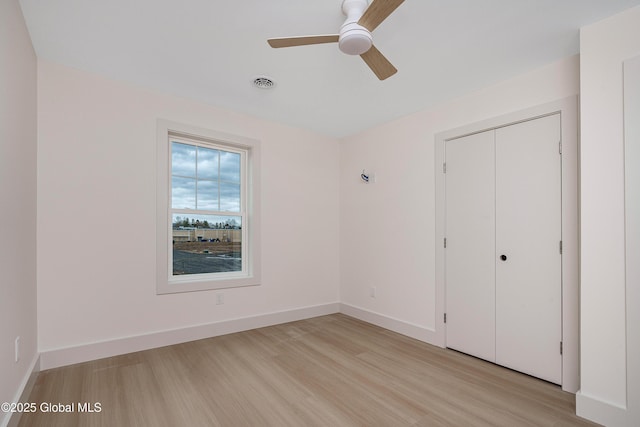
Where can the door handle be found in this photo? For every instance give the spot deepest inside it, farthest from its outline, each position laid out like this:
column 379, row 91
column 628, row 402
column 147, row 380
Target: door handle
column 503, row 257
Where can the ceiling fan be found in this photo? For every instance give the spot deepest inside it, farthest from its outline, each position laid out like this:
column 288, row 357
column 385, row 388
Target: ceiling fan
column 355, row 34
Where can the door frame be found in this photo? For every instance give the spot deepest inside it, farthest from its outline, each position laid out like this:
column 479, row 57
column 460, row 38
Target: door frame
column 568, row 109
column 631, row 84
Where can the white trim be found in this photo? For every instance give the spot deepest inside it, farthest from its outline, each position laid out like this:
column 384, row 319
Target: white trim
column 405, row 328
column 601, row 412
column 98, row 350
column 631, row 84
column 568, row 108
column 251, row 217
column 23, row 392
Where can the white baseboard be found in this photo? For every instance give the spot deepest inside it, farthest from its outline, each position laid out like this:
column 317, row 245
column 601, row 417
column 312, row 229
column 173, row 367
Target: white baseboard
column 83, row 353
column 400, row 326
column 93, row 351
column 586, row 406
column 601, row 412
column 23, row 392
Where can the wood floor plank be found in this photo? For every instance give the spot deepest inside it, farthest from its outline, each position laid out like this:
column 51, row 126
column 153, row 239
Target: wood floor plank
column 327, row 371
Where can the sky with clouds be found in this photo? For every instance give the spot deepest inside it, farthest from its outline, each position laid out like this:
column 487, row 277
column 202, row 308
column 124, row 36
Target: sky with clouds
column 204, row 178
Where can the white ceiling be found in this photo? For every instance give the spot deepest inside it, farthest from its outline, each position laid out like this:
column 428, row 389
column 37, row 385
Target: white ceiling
column 210, row 50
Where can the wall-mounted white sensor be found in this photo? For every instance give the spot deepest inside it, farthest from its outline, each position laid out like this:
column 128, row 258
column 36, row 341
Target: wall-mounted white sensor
column 364, row 176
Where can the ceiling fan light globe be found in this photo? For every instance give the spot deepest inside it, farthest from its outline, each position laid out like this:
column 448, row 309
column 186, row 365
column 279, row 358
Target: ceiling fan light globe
column 354, row 41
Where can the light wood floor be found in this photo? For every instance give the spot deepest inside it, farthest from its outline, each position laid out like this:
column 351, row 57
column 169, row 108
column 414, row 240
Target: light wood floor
column 327, row 371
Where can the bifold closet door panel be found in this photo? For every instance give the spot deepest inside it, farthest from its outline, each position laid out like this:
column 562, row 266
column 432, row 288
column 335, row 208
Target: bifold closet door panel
column 528, row 232
column 470, row 252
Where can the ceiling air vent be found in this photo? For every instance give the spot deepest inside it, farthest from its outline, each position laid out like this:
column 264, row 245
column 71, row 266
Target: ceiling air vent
column 264, row 82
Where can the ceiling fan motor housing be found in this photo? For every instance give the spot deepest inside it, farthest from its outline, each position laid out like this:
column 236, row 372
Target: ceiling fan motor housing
column 354, row 38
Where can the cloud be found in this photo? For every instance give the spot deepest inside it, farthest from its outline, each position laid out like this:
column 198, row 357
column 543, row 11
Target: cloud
column 213, row 185
column 229, row 167
column 183, row 159
column 183, row 193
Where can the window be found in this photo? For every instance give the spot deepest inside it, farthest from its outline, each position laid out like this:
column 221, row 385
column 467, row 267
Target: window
column 207, row 210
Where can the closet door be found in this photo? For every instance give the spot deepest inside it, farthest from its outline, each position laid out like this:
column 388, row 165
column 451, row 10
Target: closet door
column 528, row 233
column 470, row 253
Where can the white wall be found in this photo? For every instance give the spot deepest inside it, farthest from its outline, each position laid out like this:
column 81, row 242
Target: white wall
column 604, row 47
column 387, row 228
column 96, row 214
column 18, row 195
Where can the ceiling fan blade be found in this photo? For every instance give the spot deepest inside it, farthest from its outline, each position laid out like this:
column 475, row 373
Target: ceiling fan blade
column 302, row 40
column 380, row 65
column 377, row 12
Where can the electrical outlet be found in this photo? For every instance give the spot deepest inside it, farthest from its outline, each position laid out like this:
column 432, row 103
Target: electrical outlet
column 219, row 299
column 372, row 292
column 17, row 349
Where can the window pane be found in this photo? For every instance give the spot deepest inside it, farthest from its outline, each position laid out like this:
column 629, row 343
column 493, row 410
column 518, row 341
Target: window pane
column 183, row 159
column 229, row 197
column 208, row 195
column 229, row 166
column 183, row 193
column 207, row 163
column 206, row 244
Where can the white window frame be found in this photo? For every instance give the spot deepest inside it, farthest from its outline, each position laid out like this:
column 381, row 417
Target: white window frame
column 249, row 149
